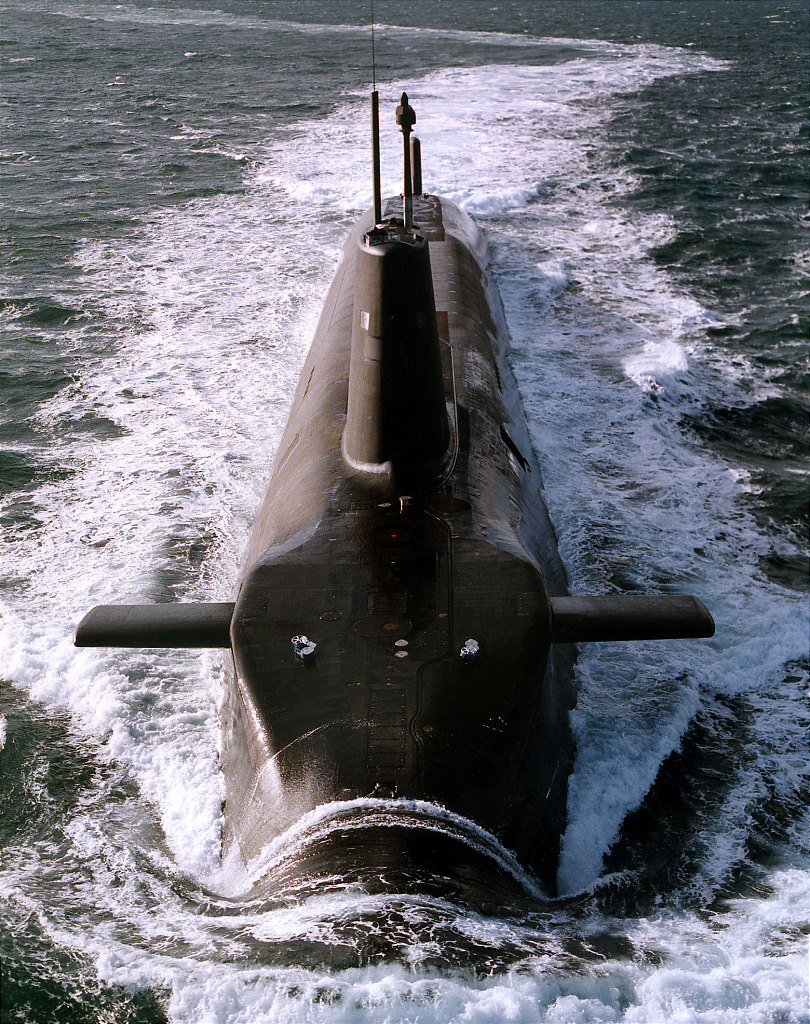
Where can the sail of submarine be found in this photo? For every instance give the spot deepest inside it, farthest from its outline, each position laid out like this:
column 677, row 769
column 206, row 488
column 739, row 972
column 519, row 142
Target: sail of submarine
column 402, row 629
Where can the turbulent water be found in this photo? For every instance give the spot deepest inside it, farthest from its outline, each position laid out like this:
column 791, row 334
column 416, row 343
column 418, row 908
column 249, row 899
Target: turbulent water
column 178, row 179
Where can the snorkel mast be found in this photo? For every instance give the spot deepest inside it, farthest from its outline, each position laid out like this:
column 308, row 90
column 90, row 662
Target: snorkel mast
column 406, row 119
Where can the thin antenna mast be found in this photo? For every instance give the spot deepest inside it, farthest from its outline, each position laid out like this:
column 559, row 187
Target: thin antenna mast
column 373, row 52
column 375, row 128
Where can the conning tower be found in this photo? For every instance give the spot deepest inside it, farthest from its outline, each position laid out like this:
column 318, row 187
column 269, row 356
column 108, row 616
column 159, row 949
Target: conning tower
column 396, row 422
column 397, row 428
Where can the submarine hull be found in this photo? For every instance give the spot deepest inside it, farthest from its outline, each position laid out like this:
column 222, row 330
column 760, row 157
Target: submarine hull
column 397, row 714
column 390, row 574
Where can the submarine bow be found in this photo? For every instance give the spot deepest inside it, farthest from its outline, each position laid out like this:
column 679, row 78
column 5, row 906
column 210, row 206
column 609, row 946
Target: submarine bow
column 403, row 629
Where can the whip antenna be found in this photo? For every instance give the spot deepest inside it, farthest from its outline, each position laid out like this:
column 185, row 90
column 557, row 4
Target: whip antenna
column 375, row 128
column 373, row 52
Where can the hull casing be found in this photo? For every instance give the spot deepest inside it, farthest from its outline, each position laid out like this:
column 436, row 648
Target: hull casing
column 391, row 572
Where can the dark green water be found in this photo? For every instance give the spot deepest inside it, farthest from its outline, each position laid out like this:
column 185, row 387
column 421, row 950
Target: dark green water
column 177, row 181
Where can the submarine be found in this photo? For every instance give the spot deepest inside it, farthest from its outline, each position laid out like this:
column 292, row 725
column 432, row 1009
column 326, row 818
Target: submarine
column 402, row 638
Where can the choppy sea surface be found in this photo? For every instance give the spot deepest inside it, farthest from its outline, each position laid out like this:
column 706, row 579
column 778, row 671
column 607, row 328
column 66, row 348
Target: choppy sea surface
column 178, row 179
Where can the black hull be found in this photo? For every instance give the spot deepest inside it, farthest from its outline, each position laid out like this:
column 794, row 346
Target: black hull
column 404, row 534
column 390, row 579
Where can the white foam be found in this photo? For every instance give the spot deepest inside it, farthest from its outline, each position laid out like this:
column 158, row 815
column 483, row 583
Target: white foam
column 373, row 812
column 712, row 974
column 480, row 202
column 657, row 360
column 529, row 109
column 554, row 274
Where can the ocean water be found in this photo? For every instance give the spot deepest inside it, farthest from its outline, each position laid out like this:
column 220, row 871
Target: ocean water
column 178, row 179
